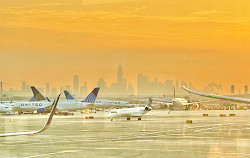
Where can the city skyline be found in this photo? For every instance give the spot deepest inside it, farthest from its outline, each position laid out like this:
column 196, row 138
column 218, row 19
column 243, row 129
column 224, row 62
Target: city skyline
column 122, row 87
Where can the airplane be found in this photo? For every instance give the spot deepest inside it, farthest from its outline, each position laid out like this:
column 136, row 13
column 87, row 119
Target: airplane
column 46, row 126
column 102, row 103
column 44, row 105
column 176, row 102
column 131, row 112
column 234, row 99
column 69, row 104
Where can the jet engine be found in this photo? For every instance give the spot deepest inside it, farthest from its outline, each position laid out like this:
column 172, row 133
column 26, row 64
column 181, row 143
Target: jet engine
column 148, row 108
column 40, row 110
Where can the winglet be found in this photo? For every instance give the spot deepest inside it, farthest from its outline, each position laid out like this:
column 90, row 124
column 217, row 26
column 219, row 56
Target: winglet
column 46, row 126
column 53, row 110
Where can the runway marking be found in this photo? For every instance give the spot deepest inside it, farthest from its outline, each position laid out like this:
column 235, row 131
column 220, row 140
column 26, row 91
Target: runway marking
column 59, row 152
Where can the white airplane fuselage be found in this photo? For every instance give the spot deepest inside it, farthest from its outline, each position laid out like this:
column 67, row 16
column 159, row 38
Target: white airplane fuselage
column 108, row 103
column 30, row 106
column 128, row 112
column 180, row 102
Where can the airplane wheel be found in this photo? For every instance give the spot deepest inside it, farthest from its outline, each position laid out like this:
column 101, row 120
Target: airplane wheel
column 111, row 119
column 139, row 118
column 128, row 118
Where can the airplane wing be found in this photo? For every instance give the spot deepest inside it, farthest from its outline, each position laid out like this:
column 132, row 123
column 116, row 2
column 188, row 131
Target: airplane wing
column 162, row 100
column 163, row 103
column 46, row 126
column 239, row 100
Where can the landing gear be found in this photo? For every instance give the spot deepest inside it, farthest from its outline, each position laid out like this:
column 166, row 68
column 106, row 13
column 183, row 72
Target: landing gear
column 128, row 118
column 20, row 112
column 111, row 119
column 139, row 118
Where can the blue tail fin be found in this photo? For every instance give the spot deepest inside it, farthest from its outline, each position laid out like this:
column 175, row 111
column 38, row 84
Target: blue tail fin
column 68, row 96
column 37, row 95
column 92, row 96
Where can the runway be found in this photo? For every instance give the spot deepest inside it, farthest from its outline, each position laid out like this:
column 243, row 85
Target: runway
column 156, row 135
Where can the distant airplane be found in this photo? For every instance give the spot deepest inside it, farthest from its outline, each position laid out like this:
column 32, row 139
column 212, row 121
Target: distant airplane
column 102, row 103
column 234, row 99
column 131, row 112
column 176, row 102
column 68, row 104
column 46, row 126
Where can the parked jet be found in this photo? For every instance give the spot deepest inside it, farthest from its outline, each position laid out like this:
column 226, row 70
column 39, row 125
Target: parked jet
column 239, row 100
column 103, row 103
column 131, row 112
column 88, row 102
column 176, row 102
column 46, row 126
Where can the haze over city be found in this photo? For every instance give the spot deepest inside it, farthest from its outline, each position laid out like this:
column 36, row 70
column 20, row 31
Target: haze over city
column 51, row 41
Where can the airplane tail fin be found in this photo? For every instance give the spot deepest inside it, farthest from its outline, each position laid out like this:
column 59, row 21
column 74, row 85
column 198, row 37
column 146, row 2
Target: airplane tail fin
column 37, row 95
column 68, row 96
column 92, row 96
column 53, row 110
column 148, row 106
column 149, row 102
column 32, row 99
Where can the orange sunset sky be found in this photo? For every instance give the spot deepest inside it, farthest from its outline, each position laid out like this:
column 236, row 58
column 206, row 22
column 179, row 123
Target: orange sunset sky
column 193, row 40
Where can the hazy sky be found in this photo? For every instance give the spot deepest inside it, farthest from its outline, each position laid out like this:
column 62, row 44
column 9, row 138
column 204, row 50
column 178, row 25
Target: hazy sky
column 51, row 40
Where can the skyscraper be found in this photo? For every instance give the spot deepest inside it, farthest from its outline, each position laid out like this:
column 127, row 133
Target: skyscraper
column 76, row 85
column 24, row 86
column 246, row 89
column 83, row 90
column 47, row 89
column 121, row 82
column 1, row 88
column 53, row 92
column 232, row 89
column 120, row 76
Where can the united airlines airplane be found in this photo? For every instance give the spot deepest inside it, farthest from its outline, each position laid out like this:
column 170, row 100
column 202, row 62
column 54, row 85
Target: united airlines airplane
column 42, row 104
column 102, row 103
column 46, row 126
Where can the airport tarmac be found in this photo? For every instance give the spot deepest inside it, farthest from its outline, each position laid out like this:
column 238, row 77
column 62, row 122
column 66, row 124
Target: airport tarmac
column 156, row 135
